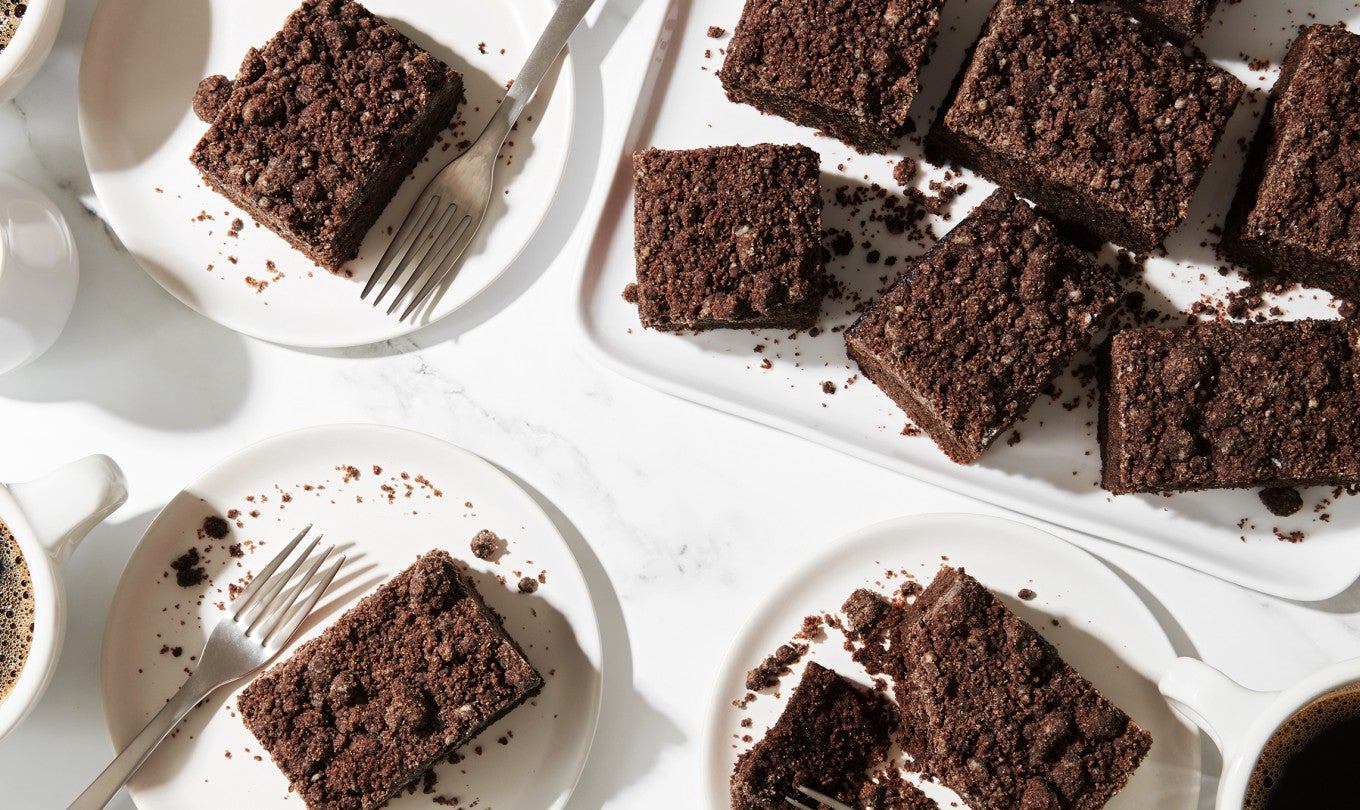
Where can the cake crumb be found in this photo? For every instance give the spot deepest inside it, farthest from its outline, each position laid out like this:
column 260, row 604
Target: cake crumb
column 811, row 629
column 188, row 573
column 777, row 665
column 1282, row 501
column 1290, row 537
column 216, row 527
column 904, row 171
column 486, row 545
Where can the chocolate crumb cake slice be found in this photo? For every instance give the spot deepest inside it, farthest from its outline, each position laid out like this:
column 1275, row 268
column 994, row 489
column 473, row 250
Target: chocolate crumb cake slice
column 990, row 709
column 848, row 67
column 1082, row 110
column 1297, row 210
column 323, row 124
column 727, row 237
column 1232, row 405
column 399, row 682
column 830, row 734
column 971, row 332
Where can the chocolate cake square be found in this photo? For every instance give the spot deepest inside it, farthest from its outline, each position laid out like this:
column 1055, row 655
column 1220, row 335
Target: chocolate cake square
column 1232, row 405
column 829, row 735
column 400, row 681
column 847, row 67
column 727, row 237
column 1297, row 210
column 1085, row 112
column 971, row 332
column 323, row 124
column 990, row 709
column 1178, row 20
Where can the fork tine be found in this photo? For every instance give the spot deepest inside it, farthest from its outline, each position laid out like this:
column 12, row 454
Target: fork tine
column 247, row 596
column 425, row 245
column 420, row 246
column 448, row 264
column 272, row 588
column 278, row 607
column 284, row 633
column 824, row 799
column 413, row 224
column 795, row 802
column 440, row 235
column 434, row 259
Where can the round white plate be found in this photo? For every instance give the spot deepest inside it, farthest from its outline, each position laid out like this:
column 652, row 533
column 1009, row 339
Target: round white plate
column 1104, row 631
column 212, row 761
column 142, row 61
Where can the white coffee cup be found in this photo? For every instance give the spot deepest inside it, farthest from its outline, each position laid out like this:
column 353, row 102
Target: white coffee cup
column 48, row 518
column 39, row 273
column 33, row 38
column 1241, row 721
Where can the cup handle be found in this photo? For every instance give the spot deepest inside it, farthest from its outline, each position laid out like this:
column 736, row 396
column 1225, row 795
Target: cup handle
column 1222, row 707
column 64, row 505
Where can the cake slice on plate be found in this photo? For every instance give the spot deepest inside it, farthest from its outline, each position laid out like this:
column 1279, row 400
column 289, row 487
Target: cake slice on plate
column 322, row 125
column 403, row 679
column 991, row 710
column 830, row 734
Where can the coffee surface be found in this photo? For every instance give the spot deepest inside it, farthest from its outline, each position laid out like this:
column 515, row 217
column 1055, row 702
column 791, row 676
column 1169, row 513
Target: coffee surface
column 16, row 611
column 11, row 12
column 1311, row 759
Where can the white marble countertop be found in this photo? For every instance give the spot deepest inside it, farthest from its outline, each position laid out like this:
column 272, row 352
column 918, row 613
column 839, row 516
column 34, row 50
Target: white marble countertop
column 692, row 515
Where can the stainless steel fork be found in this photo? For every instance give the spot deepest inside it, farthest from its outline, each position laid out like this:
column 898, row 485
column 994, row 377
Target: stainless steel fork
column 258, row 626
column 818, row 799
column 450, row 210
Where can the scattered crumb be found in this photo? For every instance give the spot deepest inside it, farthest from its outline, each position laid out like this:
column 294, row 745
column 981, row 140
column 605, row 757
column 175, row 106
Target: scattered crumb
column 486, row 545
column 769, row 671
column 1282, row 501
column 188, row 573
column 216, row 527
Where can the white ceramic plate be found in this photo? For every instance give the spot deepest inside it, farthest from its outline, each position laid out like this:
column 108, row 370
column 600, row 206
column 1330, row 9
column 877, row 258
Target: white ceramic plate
column 212, row 761
column 142, row 61
column 1105, row 632
column 1054, row 472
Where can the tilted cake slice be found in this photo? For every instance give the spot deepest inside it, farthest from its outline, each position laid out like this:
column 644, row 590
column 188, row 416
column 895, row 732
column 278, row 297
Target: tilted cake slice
column 401, row 680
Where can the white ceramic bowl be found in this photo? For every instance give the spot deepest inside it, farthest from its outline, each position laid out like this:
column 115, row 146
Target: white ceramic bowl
column 33, row 39
column 39, row 272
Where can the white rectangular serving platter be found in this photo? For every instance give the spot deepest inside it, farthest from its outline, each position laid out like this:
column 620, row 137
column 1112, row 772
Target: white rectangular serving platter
column 1053, row 472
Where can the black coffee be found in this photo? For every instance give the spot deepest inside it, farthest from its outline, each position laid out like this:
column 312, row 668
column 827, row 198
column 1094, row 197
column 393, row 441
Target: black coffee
column 11, row 12
column 1313, row 760
column 16, row 612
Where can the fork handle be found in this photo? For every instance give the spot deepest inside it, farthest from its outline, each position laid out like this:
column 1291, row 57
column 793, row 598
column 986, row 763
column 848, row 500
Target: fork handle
column 107, row 784
column 536, row 67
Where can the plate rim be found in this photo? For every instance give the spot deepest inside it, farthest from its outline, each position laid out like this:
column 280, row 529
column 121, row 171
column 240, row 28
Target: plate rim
column 718, row 697
column 404, row 434
column 88, row 142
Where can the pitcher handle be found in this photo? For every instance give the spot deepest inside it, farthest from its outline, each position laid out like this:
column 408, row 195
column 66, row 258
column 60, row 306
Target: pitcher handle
column 1222, row 707
column 64, row 505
